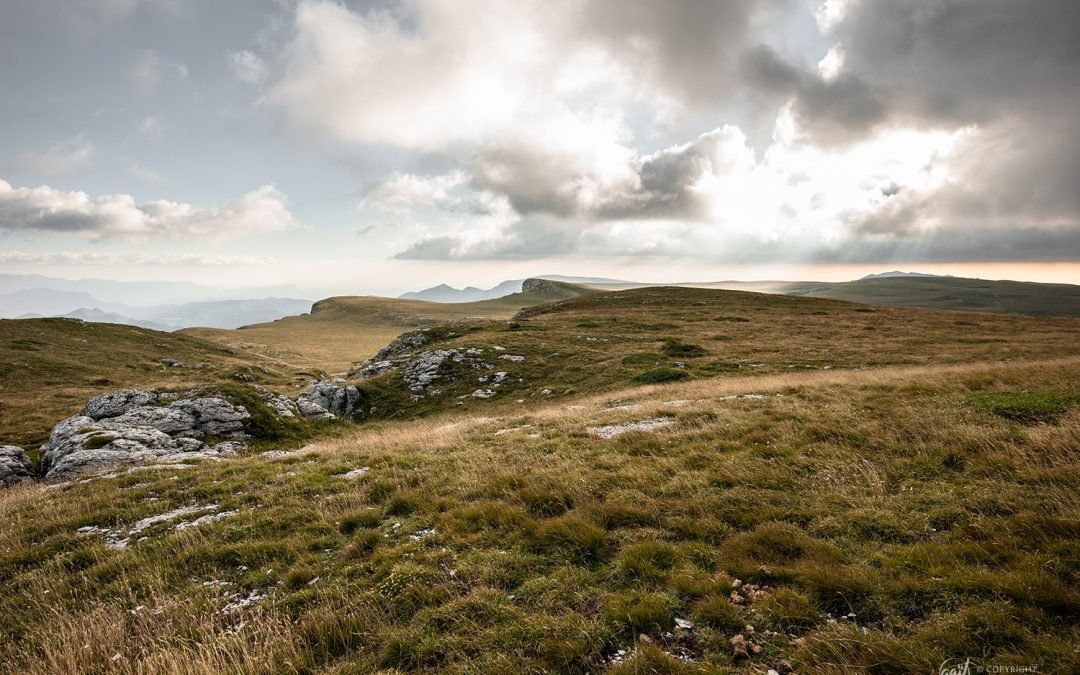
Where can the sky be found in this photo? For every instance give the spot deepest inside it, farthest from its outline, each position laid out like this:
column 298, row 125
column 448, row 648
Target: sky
column 389, row 144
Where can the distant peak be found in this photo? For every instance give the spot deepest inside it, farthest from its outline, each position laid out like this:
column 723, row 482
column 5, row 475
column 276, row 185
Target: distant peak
column 896, row 273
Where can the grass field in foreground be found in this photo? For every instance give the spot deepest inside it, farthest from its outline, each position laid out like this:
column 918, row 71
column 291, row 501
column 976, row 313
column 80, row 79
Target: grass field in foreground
column 888, row 518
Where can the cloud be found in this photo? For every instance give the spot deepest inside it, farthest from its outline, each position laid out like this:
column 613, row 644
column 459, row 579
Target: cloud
column 59, row 159
column 428, row 75
column 595, row 127
column 149, row 259
column 248, row 67
column 150, row 71
column 1004, row 70
column 404, row 191
column 47, row 210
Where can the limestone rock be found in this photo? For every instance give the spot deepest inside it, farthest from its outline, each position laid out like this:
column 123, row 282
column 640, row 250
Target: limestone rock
column 403, row 344
column 15, row 466
column 335, row 398
column 282, row 405
column 116, row 403
column 135, row 426
column 420, row 373
column 374, row 368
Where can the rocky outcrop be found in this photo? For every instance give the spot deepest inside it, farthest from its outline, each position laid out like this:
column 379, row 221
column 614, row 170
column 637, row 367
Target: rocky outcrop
column 325, row 400
column 282, row 405
column 421, row 372
column 403, row 344
column 15, row 466
column 134, row 426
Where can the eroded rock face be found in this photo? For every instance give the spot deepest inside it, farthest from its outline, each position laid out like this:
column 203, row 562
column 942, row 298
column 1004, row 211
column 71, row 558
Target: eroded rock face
column 324, row 400
column 420, row 373
column 15, row 466
column 402, row 344
column 135, row 426
column 282, row 405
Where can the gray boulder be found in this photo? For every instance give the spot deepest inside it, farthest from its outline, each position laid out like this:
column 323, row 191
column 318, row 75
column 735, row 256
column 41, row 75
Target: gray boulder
column 116, row 403
column 282, row 405
column 402, row 344
column 80, row 444
column 15, row 466
column 214, row 416
column 136, row 426
column 335, row 398
column 373, row 369
column 420, row 373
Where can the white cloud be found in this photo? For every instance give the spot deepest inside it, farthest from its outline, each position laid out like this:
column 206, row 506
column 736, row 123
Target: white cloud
column 15, row 257
column 714, row 198
column 247, row 66
column 404, row 191
column 150, row 71
column 45, row 209
column 475, row 71
column 60, row 158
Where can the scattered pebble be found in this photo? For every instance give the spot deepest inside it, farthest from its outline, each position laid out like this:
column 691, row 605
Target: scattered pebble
column 354, row 474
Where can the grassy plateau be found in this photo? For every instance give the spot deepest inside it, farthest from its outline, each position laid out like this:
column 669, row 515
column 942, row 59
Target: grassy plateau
column 670, row 481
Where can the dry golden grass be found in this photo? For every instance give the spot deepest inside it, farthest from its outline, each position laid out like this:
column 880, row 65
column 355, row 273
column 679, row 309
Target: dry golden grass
column 340, row 332
column 505, row 537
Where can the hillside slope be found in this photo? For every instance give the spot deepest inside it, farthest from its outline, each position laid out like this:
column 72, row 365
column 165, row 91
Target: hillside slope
column 876, row 520
column 609, row 340
column 50, row 367
column 924, row 291
column 341, row 331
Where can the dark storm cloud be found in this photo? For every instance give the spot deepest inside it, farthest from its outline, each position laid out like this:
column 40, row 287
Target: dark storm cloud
column 687, row 46
column 1006, row 69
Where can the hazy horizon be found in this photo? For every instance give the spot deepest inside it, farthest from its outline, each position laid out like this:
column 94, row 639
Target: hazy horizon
column 384, row 144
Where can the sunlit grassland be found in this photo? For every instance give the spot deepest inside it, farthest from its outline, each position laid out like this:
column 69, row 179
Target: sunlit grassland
column 512, row 540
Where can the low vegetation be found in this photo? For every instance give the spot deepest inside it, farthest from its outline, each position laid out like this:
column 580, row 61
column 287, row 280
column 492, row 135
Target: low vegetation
column 883, row 521
column 50, row 367
column 827, row 490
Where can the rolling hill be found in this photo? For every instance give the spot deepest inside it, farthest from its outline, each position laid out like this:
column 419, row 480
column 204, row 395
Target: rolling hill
column 344, row 330
column 50, row 367
column 915, row 290
column 662, row 480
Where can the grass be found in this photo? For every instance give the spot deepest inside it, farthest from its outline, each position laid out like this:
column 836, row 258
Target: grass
column 50, row 367
column 640, row 336
column 876, row 515
column 463, row 550
column 340, row 332
column 1025, row 406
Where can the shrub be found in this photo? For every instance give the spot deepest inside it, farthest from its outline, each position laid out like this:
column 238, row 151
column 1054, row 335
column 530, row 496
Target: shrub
column 643, row 359
column 676, row 347
column 648, row 560
column 790, row 611
column 718, row 612
column 359, row 520
column 658, row 375
column 1024, row 406
column 572, row 535
column 639, row 612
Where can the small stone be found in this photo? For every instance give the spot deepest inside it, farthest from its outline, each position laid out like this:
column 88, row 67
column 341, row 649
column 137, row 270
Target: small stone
column 739, row 647
column 645, row 639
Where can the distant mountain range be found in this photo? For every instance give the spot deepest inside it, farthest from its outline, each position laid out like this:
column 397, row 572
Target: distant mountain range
column 895, row 288
column 449, row 294
column 42, row 302
column 895, row 273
